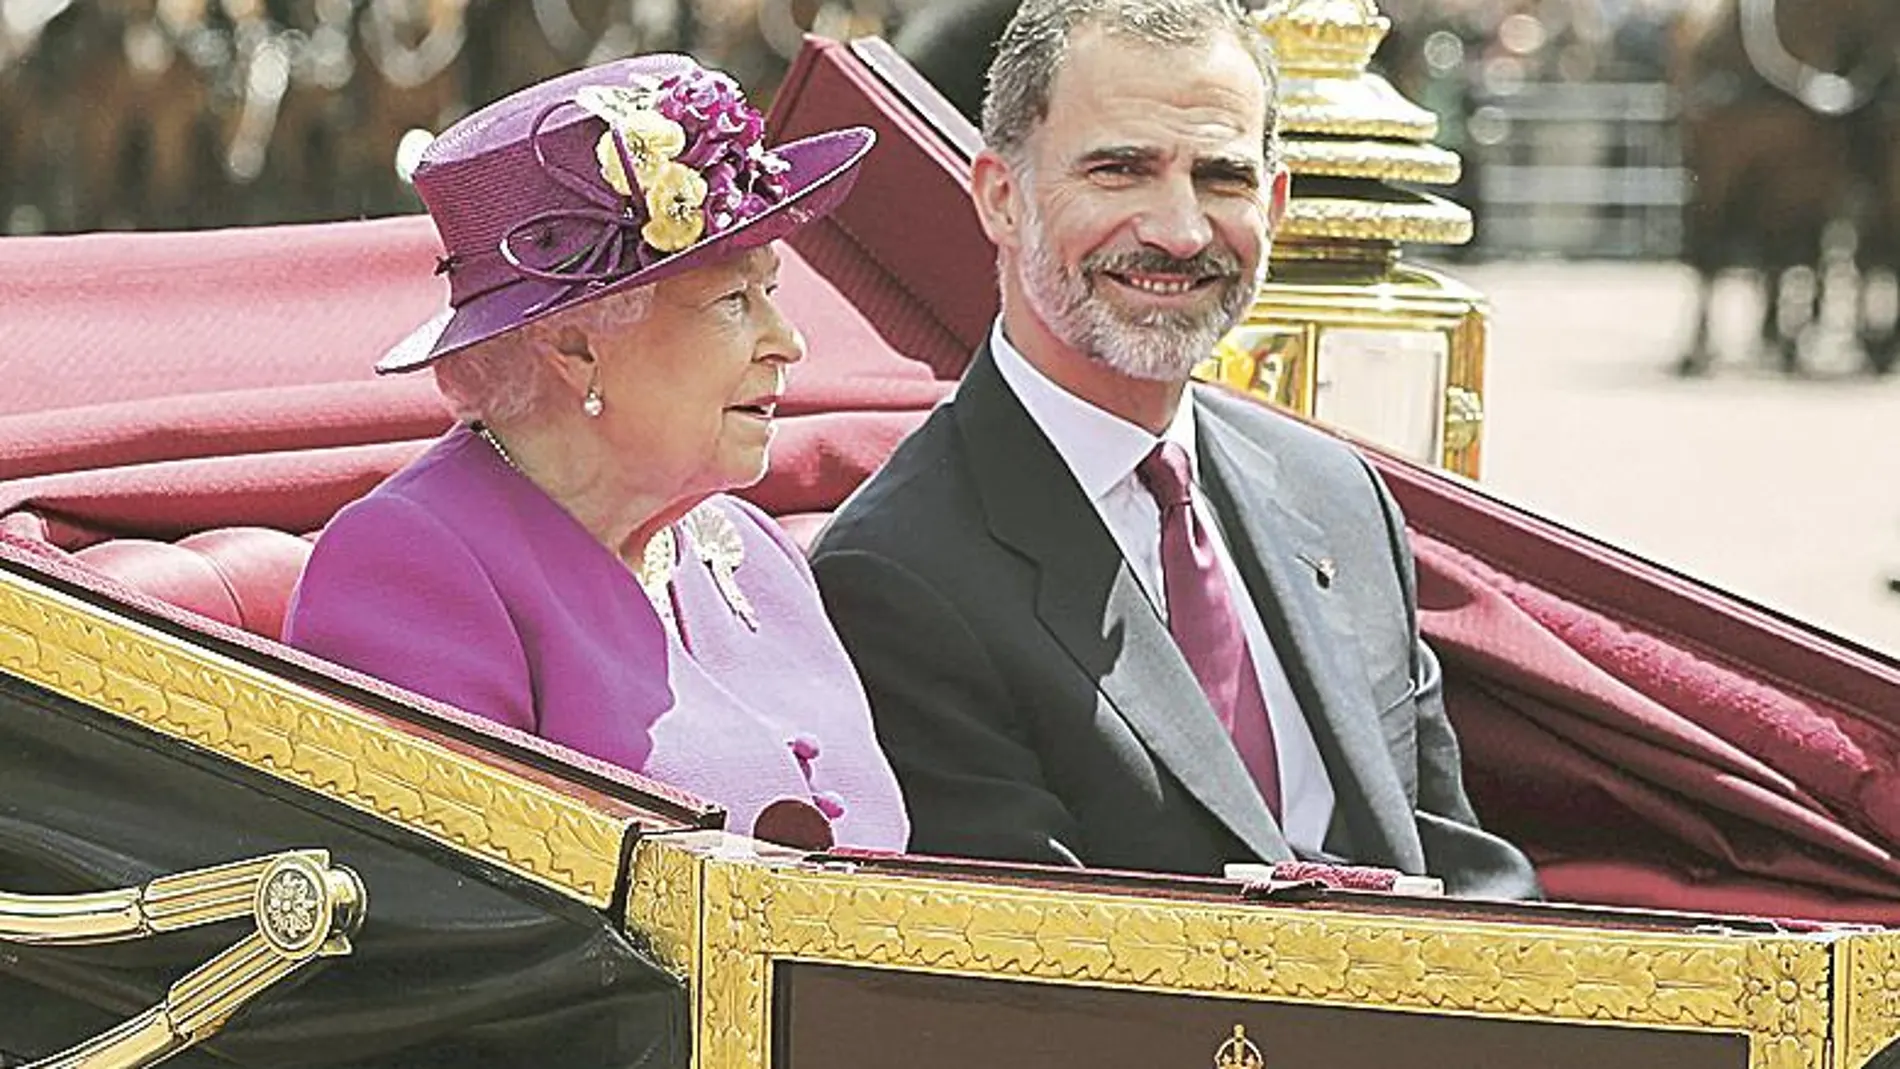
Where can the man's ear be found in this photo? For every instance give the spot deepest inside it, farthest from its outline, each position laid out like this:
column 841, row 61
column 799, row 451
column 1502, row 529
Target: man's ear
column 996, row 190
column 1279, row 191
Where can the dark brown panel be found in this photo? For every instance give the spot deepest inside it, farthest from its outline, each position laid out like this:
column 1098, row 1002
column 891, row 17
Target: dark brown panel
column 832, row 1017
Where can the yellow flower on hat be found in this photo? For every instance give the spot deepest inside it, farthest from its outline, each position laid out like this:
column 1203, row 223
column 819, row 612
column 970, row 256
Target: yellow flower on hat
column 674, row 196
column 652, row 141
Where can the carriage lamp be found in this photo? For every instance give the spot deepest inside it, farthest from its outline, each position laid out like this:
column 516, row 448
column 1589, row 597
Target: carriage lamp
column 1345, row 331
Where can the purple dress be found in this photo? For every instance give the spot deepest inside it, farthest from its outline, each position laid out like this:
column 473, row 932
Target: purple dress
column 461, row 580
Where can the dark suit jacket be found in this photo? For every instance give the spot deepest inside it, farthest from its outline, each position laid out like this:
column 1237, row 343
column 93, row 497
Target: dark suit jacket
column 1034, row 705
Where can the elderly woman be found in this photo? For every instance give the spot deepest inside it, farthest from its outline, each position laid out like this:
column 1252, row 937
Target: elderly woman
column 566, row 560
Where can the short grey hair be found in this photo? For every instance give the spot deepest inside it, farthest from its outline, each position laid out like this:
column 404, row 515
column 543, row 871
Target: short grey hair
column 501, row 381
column 1036, row 42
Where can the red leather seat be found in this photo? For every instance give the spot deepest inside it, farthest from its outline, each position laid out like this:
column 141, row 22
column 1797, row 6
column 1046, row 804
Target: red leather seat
column 241, row 576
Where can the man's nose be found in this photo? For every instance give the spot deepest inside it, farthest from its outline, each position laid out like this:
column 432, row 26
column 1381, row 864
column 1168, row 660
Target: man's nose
column 1175, row 221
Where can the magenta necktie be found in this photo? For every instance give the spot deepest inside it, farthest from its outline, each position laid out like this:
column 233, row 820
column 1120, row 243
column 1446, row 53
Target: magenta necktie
column 1202, row 619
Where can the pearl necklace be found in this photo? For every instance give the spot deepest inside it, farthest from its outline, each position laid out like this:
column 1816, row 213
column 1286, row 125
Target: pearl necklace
column 486, row 434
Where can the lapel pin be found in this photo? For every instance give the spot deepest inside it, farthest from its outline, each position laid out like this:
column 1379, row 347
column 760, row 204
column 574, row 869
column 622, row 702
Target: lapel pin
column 1323, row 569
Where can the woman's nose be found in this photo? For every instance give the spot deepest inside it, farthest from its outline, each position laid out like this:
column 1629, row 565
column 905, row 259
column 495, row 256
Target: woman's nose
column 783, row 340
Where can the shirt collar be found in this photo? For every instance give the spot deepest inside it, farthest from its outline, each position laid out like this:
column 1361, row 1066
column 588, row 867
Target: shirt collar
column 1100, row 448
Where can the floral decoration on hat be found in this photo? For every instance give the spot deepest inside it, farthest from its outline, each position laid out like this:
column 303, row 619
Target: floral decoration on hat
column 681, row 158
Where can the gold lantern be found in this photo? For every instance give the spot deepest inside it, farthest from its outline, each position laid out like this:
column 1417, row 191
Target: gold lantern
column 1345, row 331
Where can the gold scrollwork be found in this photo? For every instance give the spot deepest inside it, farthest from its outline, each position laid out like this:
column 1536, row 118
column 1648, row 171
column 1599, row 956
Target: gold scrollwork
column 734, row 998
column 663, row 904
column 1380, row 160
column 559, row 838
column 1427, row 221
column 1359, row 959
column 1867, row 994
column 1786, row 1001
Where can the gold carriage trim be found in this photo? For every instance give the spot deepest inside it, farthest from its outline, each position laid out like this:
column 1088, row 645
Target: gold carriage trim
column 1772, row 988
column 1323, row 38
column 1425, row 220
column 561, row 836
column 1866, row 997
column 1323, row 48
column 1328, row 121
column 1427, row 164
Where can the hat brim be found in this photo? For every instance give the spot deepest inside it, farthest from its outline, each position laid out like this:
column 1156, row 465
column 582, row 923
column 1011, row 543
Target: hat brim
column 823, row 169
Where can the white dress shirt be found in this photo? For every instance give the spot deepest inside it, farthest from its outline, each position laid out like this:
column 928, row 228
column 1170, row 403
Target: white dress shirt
column 1102, row 451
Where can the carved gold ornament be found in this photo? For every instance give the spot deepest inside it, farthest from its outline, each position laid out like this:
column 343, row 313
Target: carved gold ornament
column 1239, row 1052
column 1426, row 164
column 1347, row 125
column 302, row 907
column 1422, row 219
column 1464, row 417
column 1869, row 991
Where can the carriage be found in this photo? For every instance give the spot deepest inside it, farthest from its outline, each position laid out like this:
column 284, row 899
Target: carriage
column 218, row 849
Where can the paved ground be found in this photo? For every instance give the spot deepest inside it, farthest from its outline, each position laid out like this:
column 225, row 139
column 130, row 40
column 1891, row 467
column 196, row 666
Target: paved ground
column 1784, row 490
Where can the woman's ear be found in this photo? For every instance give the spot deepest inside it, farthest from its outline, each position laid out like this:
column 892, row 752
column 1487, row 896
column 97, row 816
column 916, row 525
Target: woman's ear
column 996, row 190
column 567, row 351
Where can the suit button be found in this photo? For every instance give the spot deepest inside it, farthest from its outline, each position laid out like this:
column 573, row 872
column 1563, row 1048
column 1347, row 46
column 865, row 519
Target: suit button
column 804, row 747
column 830, row 803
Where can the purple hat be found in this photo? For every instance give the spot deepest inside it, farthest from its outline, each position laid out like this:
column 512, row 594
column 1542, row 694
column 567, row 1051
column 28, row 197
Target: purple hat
column 604, row 179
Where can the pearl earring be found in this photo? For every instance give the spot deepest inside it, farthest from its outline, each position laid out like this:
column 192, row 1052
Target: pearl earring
column 593, row 404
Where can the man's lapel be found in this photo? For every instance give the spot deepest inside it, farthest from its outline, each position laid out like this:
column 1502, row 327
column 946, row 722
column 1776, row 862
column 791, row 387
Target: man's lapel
column 1286, row 563
column 1092, row 604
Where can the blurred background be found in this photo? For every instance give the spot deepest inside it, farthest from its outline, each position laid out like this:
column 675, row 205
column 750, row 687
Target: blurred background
column 1687, row 211
column 189, row 113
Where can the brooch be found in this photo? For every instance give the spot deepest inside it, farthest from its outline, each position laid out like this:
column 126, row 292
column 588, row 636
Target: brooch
column 717, row 543
column 655, row 573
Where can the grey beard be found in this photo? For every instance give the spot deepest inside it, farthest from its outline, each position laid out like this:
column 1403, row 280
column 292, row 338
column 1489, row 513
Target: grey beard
column 1158, row 346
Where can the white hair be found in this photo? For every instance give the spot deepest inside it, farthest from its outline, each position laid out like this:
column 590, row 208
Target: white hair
column 501, row 381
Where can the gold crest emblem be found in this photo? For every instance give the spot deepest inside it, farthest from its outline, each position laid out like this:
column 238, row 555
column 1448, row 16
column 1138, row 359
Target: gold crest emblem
column 1239, row 1052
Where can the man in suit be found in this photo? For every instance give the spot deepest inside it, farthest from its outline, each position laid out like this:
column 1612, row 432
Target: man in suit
column 1107, row 618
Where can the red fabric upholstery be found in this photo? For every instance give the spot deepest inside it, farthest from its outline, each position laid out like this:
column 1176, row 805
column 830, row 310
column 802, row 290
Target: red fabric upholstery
column 296, row 491
column 1610, row 725
column 103, row 318
column 238, row 423
column 906, row 243
column 1662, row 886
column 241, row 576
column 804, row 526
